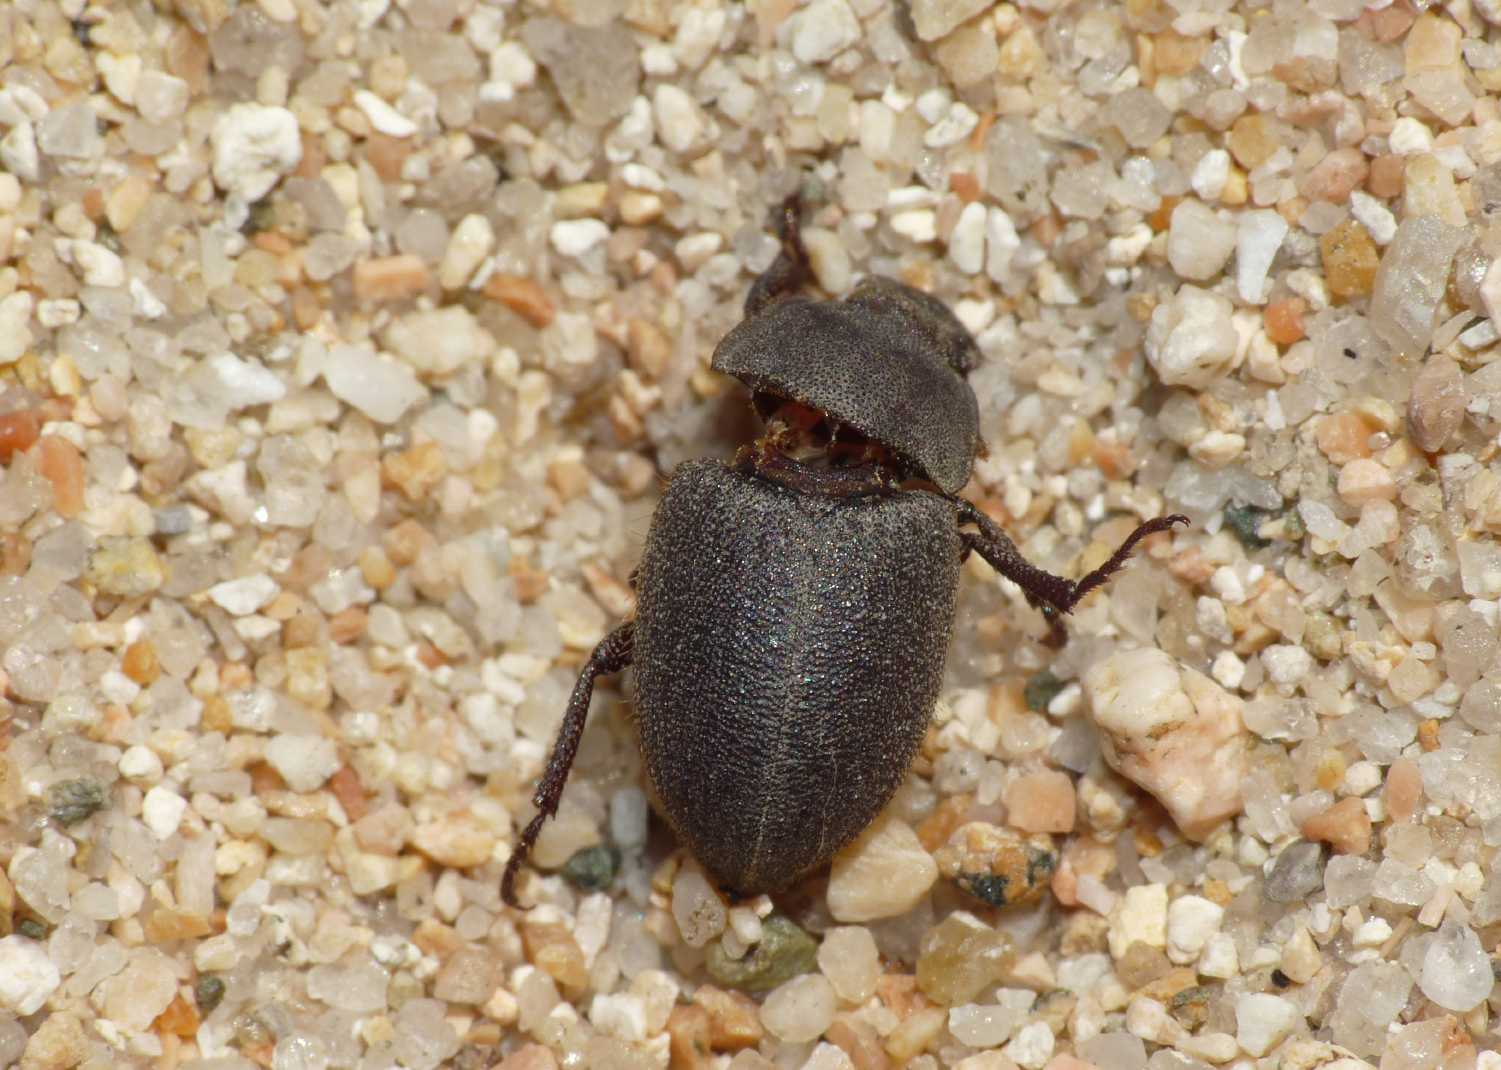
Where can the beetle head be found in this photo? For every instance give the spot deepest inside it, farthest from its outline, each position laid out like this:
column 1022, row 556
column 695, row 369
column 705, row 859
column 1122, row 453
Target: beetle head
column 888, row 361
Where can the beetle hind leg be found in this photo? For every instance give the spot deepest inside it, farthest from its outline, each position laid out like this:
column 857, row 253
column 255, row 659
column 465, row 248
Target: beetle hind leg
column 1051, row 594
column 611, row 655
column 791, row 270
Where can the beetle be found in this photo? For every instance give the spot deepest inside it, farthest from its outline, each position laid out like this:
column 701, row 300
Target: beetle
column 794, row 607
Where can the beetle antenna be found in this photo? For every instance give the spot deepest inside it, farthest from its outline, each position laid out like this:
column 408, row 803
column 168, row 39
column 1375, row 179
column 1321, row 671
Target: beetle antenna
column 792, row 269
column 611, row 655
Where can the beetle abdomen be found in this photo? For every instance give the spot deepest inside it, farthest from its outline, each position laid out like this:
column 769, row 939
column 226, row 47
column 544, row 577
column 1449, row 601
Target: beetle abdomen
column 789, row 648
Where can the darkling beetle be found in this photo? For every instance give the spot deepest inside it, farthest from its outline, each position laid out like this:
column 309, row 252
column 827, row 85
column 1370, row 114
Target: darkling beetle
column 794, row 607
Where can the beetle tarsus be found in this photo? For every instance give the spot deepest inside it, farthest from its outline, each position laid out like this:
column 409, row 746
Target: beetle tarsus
column 1051, row 594
column 1117, row 559
column 611, row 655
column 791, row 270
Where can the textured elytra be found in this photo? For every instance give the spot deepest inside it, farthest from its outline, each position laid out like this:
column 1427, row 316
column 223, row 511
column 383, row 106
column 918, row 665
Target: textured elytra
column 888, row 361
column 788, row 653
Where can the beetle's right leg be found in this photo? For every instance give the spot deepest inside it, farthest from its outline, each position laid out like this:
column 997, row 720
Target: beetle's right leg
column 1053, row 595
column 791, row 270
column 611, row 655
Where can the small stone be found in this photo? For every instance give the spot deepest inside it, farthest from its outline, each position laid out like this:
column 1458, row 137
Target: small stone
column 1032, row 1046
column 1350, row 260
column 439, row 342
column 381, row 389
column 1456, row 970
column 937, row 18
column 386, row 119
column 72, row 801
column 679, row 124
column 734, row 1019
column 71, row 131
column 592, row 869
column 848, row 957
column 1258, row 236
column 134, row 997
column 1199, row 242
column 575, row 237
column 1174, row 732
column 1411, row 280
column 254, row 145
column 1190, row 341
column 208, row 993
column 140, row 763
column 468, row 245
column 245, row 595
column 1437, row 405
column 58, row 1044
column 62, row 465
column 1252, row 139
column 1138, row 115
column 126, row 567
column 1435, row 73
column 784, row 952
column 1369, row 1000
column 799, row 1010
column 458, row 839
column 523, row 296
column 960, row 958
column 1365, row 480
column 1040, row 802
column 882, row 874
column 1139, row 917
column 303, row 761
column 1191, row 921
column 390, row 278
column 1297, row 873
column 15, row 332
column 98, row 266
column 1262, row 1021
column 160, row 97
column 828, row 1057
column 27, row 976
column 162, row 811
column 998, row 866
column 621, row 1015
column 697, row 907
column 1337, row 175
column 1428, row 190
column 984, row 1025
column 1345, row 826
column 967, row 241
column 596, row 69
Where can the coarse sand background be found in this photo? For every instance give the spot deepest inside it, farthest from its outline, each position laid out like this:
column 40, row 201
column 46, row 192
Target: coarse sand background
column 345, row 348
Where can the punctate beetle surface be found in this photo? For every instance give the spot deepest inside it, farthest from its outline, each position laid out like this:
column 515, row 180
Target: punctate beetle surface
column 794, row 607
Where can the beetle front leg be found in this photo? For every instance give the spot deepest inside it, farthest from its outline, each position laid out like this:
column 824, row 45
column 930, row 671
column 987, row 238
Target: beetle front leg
column 611, row 655
column 791, row 270
column 1052, row 594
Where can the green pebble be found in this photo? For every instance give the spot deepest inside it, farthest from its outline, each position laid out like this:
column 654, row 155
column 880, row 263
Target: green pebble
column 208, row 992
column 1244, row 521
column 785, row 951
column 592, row 869
column 71, row 801
column 1041, row 689
column 31, row 929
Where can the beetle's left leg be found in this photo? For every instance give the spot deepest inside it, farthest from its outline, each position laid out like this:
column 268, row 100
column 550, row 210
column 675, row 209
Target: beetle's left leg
column 611, row 655
column 1052, row 594
column 791, row 270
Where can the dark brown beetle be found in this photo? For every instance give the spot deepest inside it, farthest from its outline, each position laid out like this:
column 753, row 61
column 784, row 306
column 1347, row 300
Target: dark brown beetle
column 795, row 607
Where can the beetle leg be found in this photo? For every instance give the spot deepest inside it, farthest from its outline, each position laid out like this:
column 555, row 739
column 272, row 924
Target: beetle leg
column 1053, row 595
column 611, row 655
column 791, row 270
column 1093, row 579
